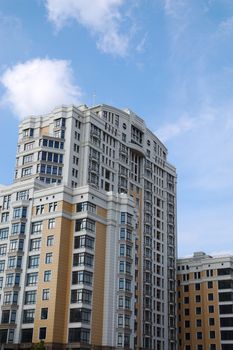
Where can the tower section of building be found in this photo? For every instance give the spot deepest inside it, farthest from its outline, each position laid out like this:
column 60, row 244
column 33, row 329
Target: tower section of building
column 114, row 209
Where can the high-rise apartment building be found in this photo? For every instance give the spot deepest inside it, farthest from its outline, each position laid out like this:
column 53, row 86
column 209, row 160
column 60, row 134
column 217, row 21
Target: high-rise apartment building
column 88, row 234
column 205, row 302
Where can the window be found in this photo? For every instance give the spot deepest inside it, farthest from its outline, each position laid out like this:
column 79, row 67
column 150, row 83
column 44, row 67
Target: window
column 85, row 224
column 42, row 333
column 9, row 279
column 126, row 218
column 27, row 171
column 4, row 233
column 52, row 207
column 82, row 277
column 48, row 258
column 1, row 282
column 21, row 243
column 35, row 244
column 122, row 249
column 28, row 158
column 28, row 316
column 211, row 321
column 120, row 320
column 32, row 279
column 212, row 334
column 47, row 276
column 15, row 297
column 212, row 346
column 28, row 133
column 227, row 335
column 17, row 229
column 120, row 302
column 36, row 227
column 224, row 271
column 119, row 339
column 3, row 248
column 128, row 251
column 127, row 303
column 22, row 195
column 198, row 310
column 27, row 335
column 198, row 298
column 186, row 288
column 13, row 316
column 13, row 245
column 81, row 296
column 19, row 262
column 211, row 309
column 187, row 336
column 197, row 286
column 7, row 298
column 2, row 265
column 199, row 335
column 198, row 323
column 210, row 296
column 225, row 284
column 17, row 279
column 5, row 316
column 125, row 234
column 11, row 335
column 186, row 300
column 33, row 261
column 83, row 241
column 121, row 266
column 44, row 313
column 51, row 223
column 39, row 209
column 30, row 297
column 186, row 312
column 11, row 262
column 6, row 202
column 45, row 294
column 50, row 241
column 80, row 315
column 79, row 334
column 83, row 259
column 86, row 206
column 28, row 146
column 5, row 217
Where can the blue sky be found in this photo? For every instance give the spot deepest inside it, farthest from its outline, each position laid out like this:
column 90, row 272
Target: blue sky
column 171, row 61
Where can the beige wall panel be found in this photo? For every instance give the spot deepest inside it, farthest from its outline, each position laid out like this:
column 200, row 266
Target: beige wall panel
column 98, row 287
column 67, row 207
column 44, row 130
column 101, row 212
column 59, row 285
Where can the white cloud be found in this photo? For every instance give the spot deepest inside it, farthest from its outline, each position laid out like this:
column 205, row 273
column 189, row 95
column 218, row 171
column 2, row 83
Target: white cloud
column 226, row 27
column 174, row 7
column 171, row 130
column 222, row 253
column 37, row 86
column 102, row 17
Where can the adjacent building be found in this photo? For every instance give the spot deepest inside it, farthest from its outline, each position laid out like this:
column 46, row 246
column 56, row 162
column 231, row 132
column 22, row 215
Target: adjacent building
column 205, row 302
column 88, row 234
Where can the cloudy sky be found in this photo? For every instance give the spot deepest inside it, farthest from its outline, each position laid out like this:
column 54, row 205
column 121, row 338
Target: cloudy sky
column 171, row 61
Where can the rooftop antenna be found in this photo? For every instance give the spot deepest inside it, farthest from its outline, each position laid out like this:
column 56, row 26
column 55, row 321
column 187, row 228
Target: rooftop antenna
column 93, row 98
